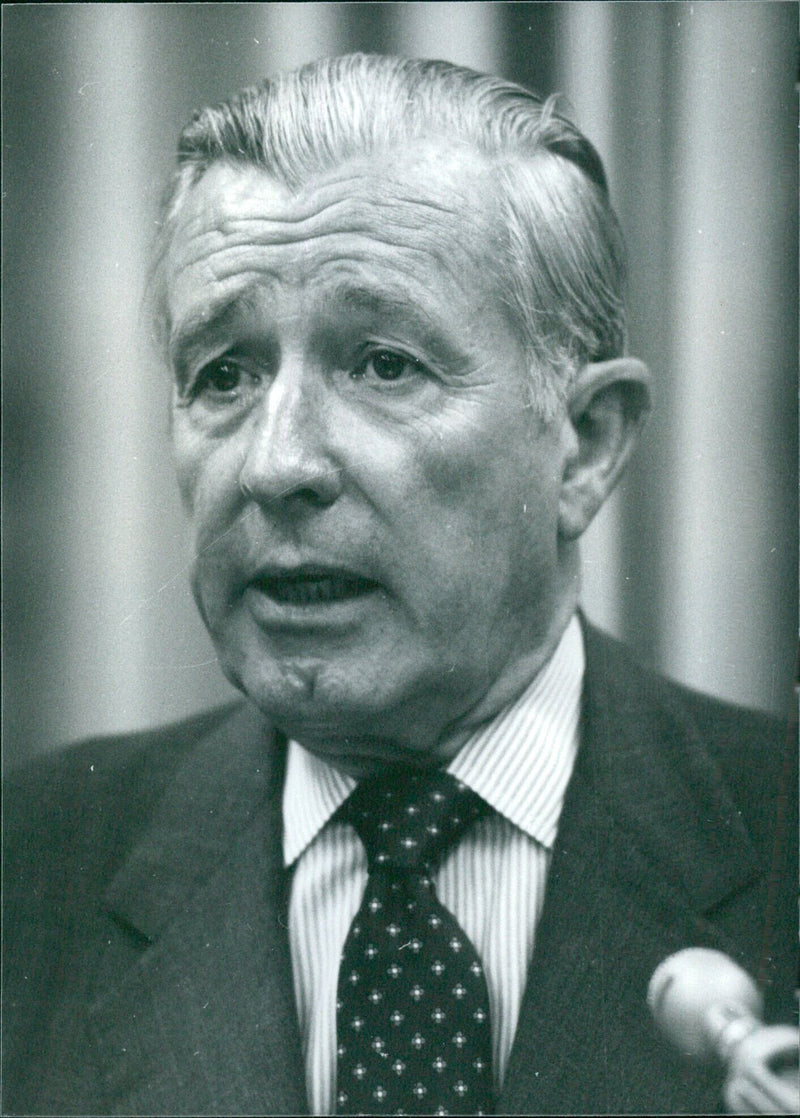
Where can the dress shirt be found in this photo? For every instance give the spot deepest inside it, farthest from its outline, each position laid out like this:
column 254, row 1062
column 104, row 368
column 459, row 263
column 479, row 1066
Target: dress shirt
column 493, row 881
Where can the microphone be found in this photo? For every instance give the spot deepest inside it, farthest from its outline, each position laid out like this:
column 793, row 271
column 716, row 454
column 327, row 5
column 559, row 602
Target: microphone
column 707, row 1006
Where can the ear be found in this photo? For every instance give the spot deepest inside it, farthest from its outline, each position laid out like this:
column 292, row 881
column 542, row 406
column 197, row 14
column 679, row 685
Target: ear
column 607, row 407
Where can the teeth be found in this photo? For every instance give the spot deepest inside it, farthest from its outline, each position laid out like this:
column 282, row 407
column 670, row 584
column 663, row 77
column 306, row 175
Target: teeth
column 307, row 591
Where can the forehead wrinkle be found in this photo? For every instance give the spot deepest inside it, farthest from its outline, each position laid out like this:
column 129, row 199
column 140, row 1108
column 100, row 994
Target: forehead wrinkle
column 303, row 263
column 276, row 220
column 277, row 217
column 203, row 230
column 203, row 243
column 328, row 191
column 266, row 255
column 397, row 229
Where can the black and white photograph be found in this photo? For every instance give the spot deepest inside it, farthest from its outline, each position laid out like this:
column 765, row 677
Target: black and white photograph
column 400, row 558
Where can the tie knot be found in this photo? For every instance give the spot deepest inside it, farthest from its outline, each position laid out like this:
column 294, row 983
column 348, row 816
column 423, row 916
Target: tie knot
column 408, row 820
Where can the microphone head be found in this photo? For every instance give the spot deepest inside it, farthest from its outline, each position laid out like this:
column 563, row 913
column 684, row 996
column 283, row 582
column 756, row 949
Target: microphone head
column 694, row 990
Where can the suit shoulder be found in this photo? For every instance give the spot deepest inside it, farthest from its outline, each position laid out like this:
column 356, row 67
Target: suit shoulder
column 111, row 772
column 721, row 724
column 753, row 752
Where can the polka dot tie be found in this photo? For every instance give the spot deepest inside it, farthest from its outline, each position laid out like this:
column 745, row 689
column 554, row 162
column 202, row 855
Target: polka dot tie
column 413, row 1029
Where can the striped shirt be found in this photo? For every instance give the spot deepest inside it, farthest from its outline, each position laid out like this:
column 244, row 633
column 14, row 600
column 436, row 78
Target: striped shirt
column 493, row 881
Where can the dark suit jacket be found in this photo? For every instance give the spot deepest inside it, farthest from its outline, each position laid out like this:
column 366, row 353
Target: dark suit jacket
column 148, row 966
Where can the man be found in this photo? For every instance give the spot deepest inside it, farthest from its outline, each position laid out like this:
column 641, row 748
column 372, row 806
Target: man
column 390, row 293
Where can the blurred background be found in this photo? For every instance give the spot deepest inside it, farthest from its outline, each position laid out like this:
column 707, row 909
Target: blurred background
column 692, row 106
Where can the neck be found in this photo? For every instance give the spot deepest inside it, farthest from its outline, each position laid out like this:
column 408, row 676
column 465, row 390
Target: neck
column 365, row 755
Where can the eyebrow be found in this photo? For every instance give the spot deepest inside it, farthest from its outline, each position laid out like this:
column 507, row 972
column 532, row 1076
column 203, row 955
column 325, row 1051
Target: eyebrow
column 394, row 302
column 383, row 300
column 201, row 330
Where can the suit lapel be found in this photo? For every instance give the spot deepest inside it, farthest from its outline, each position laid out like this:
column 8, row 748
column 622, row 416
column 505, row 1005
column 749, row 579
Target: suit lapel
column 648, row 843
column 194, row 1011
column 195, row 1006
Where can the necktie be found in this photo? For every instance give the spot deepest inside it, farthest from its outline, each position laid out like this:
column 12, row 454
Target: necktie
column 413, row 1029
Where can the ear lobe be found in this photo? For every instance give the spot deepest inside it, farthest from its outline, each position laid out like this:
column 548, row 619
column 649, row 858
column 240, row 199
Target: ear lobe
column 607, row 407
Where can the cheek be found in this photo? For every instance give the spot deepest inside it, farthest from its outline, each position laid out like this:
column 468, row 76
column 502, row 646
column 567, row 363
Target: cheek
column 187, row 458
column 186, row 471
column 458, row 506
column 492, row 503
column 485, row 469
column 207, row 481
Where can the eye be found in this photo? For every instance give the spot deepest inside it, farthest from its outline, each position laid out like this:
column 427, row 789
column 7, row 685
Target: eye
column 387, row 365
column 220, row 378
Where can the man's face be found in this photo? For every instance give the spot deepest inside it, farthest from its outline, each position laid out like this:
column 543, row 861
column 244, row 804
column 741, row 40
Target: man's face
column 373, row 498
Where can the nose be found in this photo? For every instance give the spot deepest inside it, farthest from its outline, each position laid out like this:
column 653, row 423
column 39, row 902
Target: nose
column 288, row 457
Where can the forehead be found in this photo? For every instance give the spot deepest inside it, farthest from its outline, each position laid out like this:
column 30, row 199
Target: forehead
column 425, row 217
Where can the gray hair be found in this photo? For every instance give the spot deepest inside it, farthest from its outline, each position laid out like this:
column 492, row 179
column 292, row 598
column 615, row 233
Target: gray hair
column 562, row 275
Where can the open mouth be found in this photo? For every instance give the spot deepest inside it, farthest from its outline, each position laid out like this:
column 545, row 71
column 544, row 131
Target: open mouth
column 313, row 587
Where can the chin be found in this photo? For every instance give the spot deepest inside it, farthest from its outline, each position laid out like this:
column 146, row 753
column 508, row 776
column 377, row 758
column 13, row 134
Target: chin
column 385, row 694
column 310, row 695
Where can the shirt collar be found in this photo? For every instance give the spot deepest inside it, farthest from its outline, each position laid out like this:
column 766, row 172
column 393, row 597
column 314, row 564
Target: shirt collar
column 520, row 762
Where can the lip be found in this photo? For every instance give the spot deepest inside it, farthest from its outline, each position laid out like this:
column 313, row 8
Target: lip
column 309, row 589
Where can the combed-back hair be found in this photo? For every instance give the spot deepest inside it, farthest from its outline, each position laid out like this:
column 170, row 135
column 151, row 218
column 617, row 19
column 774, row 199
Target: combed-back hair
column 562, row 257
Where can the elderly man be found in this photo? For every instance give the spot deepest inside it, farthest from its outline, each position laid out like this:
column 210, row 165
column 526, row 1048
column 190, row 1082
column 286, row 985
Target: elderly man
column 429, row 865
